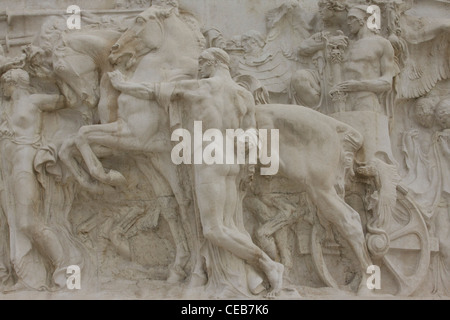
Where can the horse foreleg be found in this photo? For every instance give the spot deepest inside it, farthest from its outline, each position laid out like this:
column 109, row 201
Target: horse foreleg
column 107, row 135
column 107, row 106
column 174, row 174
column 169, row 210
column 163, row 163
column 67, row 157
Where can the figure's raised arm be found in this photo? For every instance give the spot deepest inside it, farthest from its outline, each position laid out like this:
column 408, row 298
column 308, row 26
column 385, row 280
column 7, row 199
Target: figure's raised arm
column 153, row 91
column 187, row 88
column 311, row 45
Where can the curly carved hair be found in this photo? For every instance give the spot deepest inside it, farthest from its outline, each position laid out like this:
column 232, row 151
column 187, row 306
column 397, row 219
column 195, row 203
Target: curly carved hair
column 443, row 107
column 333, row 5
column 255, row 35
column 17, row 76
column 170, row 3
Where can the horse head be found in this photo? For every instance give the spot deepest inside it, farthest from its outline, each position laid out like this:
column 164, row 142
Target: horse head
column 144, row 36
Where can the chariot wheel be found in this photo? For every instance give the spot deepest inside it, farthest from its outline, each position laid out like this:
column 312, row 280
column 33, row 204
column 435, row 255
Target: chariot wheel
column 405, row 264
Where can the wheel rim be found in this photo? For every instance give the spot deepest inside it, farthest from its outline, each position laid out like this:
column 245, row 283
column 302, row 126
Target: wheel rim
column 408, row 235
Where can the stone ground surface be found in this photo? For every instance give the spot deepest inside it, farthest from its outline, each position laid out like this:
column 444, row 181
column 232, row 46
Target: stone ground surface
column 160, row 290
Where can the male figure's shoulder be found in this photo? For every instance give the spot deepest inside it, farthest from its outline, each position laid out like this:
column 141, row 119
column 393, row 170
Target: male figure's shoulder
column 379, row 40
column 376, row 44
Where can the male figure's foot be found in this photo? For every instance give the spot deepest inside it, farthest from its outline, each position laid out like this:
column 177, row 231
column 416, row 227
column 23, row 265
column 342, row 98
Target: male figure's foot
column 275, row 277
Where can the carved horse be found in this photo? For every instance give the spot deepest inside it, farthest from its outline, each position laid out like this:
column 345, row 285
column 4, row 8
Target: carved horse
column 80, row 63
column 160, row 46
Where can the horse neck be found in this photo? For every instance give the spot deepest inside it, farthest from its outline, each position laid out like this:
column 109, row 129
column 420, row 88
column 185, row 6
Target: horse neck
column 96, row 45
column 180, row 50
column 179, row 35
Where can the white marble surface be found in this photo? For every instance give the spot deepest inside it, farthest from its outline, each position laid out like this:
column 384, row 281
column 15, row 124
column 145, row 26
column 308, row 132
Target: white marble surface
column 88, row 179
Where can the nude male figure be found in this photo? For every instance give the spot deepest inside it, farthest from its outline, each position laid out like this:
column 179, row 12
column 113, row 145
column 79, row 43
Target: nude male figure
column 221, row 104
column 368, row 72
column 370, row 65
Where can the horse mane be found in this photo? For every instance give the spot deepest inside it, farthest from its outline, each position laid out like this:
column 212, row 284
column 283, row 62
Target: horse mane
column 192, row 22
column 91, row 42
column 159, row 12
column 188, row 18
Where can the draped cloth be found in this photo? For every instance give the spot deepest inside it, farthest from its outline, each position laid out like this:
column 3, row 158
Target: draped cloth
column 50, row 217
column 422, row 178
column 441, row 263
column 428, row 183
column 228, row 275
column 58, row 199
column 6, row 274
column 28, row 264
column 428, row 173
column 271, row 69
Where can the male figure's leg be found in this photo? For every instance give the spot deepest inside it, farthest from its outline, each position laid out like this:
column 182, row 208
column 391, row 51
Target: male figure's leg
column 216, row 193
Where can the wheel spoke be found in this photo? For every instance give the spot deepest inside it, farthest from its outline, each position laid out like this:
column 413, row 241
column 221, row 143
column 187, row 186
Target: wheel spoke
column 412, row 227
column 403, row 280
column 416, row 227
column 408, row 284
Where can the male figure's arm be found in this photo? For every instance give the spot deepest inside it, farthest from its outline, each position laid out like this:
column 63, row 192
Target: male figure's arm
column 388, row 70
column 151, row 91
column 138, row 90
column 310, row 46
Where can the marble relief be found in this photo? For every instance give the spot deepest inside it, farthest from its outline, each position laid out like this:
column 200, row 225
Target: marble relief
column 294, row 149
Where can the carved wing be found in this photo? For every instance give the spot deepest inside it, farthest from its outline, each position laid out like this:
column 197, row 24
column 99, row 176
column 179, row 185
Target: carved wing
column 287, row 27
column 428, row 63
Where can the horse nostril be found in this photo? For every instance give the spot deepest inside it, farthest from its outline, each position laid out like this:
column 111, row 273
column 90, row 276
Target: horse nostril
column 116, row 47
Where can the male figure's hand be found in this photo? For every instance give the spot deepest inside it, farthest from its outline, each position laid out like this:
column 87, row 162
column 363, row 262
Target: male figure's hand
column 117, row 79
